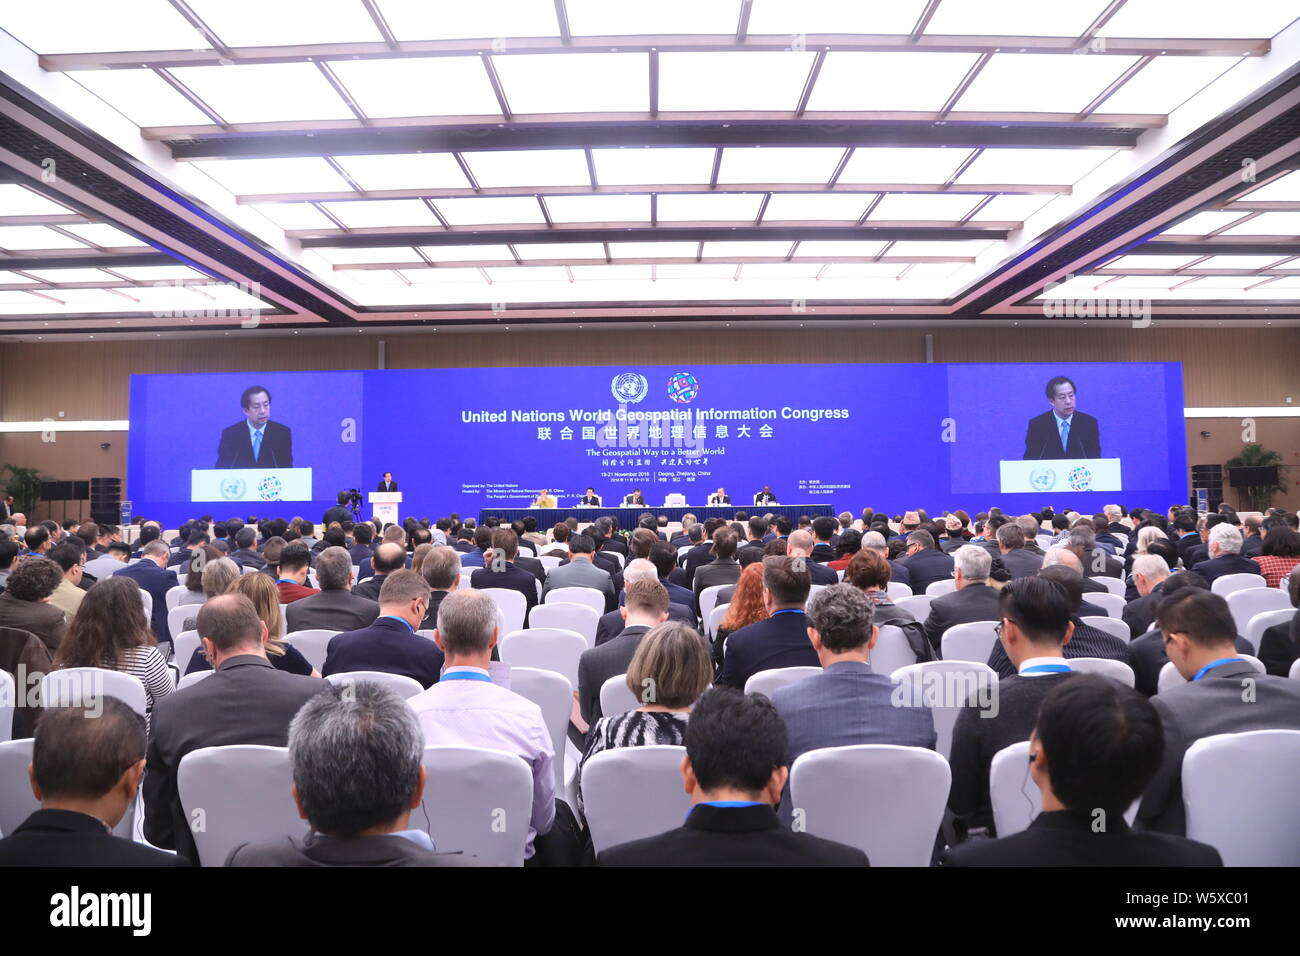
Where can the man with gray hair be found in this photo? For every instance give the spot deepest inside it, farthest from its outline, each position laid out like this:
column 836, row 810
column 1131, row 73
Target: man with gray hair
column 390, row 644
column 467, row 709
column 1225, row 555
column 441, row 570
column 1011, row 545
column 152, row 575
column 1082, row 540
column 1030, row 528
column 875, row 541
column 639, row 569
column 1150, row 572
column 335, row 608
column 924, row 561
column 974, row 599
column 848, row 702
column 355, row 750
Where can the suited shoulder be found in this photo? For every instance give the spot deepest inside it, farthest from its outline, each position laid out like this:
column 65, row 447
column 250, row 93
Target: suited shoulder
column 796, row 692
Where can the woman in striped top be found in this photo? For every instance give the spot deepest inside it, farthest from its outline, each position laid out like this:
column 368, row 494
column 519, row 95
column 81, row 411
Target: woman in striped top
column 670, row 669
column 111, row 631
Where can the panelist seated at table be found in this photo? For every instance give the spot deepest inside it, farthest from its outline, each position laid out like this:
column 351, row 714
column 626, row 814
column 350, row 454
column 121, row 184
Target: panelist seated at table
column 765, row 497
column 634, row 498
column 720, row 497
column 590, row 499
column 544, row 499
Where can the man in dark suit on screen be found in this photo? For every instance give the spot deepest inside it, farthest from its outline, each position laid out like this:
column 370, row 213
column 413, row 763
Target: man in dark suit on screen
column 1062, row 432
column 256, row 442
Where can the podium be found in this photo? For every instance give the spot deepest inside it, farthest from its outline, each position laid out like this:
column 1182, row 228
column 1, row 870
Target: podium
column 384, row 504
column 1061, row 474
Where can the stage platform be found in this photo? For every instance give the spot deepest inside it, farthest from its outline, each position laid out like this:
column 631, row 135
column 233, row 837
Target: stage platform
column 627, row 517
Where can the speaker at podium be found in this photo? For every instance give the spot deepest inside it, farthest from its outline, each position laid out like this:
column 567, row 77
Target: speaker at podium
column 383, row 504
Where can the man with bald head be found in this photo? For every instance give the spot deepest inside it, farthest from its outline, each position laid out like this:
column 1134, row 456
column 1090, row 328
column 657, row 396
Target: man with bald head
column 800, row 545
column 389, row 557
column 245, row 701
column 640, row 569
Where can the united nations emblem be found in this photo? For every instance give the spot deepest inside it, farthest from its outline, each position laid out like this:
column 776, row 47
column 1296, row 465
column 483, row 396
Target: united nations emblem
column 629, row 387
column 1043, row 479
column 232, row 489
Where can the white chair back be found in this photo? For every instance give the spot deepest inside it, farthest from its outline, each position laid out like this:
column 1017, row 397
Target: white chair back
column 716, row 617
column 615, row 555
column 174, row 596
column 401, row 685
column 589, row 596
column 147, row 600
column 1170, row 678
column 897, row 591
column 709, row 599
column 1227, row 583
column 1113, row 603
column 947, row 688
column 241, row 794
column 1111, row 625
column 183, row 648
column 83, row 685
column 17, row 802
column 477, row 801
column 549, row 563
column 1112, row 586
column 972, row 641
column 1015, row 798
column 1262, row 622
column 1294, row 672
column 8, row 703
column 633, row 792
column 312, row 644
column 892, row 650
column 1246, row 603
column 918, row 605
column 1239, row 794
column 766, row 682
column 551, row 649
column 616, row 698
column 356, row 574
column 1116, row 670
column 284, row 620
column 178, row 615
column 247, row 569
column 566, row 617
column 940, row 588
column 551, row 691
column 189, row 680
column 512, row 604
column 812, row 592
column 886, row 800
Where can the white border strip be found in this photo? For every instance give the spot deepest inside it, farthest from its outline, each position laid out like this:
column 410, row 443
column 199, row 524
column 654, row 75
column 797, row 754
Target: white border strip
column 66, row 425
column 1244, row 411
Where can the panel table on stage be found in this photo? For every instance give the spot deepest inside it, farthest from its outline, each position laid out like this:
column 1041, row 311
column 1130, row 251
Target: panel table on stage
column 627, row 517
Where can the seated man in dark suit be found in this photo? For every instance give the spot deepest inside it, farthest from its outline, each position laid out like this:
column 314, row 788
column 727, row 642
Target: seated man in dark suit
column 499, row 570
column 848, row 702
column 86, row 768
column 800, row 545
column 646, row 606
column 1096, row 746
column 974, row 600
column 1146, row 654
column 390, row 644
column 335, row 608
column 255, row 442
column 1223, row 695
column 1084, row 641
column 925, row 563
column 1061, row 431
column 245, row 553
column 245, row 701
column 389, row 557
column 1150, row 572
column 823, row 529
column 612, row 624
column 355, row 753
column 1015, row 557
column 734, row 770
column 1280, row 644
column 782, row 639
column 362, row 536
column 723, row 569
column 664, row 558
column 152, row 575
column 1035, row 624
column 1224, row 549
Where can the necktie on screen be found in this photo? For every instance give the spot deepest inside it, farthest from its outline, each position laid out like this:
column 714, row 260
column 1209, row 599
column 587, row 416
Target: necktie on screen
column 257, row 444
column 1065, row 435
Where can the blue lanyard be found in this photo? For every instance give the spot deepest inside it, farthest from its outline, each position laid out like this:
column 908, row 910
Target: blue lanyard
column 286, row 581
column 466, row 675
column 393, row 617
column 1047, row 669
column 789, row 610
column 1208, row 667
column 730, row 803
